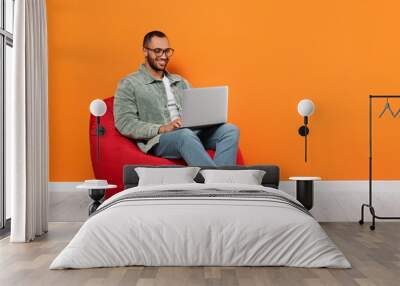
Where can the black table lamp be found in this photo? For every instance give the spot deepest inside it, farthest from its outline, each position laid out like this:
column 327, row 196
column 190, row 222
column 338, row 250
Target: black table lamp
column 98, row 108
column 305, row 109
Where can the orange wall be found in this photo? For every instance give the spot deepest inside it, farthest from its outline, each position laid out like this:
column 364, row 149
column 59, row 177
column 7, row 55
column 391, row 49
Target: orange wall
column 270, row 53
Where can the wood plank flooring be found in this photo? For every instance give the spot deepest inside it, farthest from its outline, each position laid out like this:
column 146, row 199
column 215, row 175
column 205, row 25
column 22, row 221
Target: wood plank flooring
column 375, row 257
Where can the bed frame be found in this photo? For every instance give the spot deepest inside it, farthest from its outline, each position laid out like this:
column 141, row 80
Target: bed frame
column 270, row 179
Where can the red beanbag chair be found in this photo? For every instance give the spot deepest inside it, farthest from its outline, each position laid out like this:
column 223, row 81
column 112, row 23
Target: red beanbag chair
column 117, row 150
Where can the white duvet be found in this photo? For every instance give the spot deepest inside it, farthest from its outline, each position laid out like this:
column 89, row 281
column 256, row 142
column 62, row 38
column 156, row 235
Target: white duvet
column 200, row 231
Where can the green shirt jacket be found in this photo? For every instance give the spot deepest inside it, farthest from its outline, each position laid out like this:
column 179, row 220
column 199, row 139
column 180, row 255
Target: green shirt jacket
column 140, row 105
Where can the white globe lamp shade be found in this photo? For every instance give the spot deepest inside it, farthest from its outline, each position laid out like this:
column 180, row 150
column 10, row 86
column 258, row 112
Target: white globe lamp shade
column 305, row 107
column 98, row 107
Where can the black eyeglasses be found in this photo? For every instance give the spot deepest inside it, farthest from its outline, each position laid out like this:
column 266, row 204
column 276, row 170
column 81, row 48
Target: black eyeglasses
column 159, row 52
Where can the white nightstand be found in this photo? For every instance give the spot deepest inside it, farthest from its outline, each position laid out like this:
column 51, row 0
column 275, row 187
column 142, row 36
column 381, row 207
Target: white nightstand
column 305, row 190
column 96, row 192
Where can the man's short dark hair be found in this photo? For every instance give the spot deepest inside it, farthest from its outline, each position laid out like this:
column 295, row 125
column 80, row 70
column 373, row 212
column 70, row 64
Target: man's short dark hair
column 150, row 35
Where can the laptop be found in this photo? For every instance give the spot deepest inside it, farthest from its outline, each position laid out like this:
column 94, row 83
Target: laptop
column 205, row 106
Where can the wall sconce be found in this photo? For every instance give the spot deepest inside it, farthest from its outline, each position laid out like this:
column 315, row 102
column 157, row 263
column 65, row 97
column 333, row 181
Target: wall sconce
column 305, row 108
column 98, row 108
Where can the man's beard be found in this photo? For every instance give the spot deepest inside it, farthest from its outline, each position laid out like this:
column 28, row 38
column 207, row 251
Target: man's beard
column 153, row 65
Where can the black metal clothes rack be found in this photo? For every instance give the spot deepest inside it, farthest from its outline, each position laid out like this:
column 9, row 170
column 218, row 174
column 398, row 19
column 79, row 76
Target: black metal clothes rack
column 369, row 205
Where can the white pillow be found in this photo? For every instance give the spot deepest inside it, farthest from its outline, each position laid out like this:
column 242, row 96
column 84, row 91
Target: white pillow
column 249, row 177
column 162, row 176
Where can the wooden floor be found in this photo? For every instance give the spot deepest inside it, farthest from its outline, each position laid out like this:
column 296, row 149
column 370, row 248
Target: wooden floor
column 375, row 257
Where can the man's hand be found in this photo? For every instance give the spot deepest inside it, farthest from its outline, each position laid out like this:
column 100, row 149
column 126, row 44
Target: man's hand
column 171, row 126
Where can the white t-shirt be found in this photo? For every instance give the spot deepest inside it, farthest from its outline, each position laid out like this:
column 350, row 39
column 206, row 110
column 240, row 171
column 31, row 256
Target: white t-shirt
column 173, row 109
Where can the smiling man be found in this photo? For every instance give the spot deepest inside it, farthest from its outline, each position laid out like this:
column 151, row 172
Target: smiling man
column 148, row 108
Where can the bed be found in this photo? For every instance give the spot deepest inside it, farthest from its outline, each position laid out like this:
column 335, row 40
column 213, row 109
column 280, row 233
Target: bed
column 198, row 224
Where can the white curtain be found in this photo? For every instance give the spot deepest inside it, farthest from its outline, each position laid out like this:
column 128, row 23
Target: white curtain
column 27, row 123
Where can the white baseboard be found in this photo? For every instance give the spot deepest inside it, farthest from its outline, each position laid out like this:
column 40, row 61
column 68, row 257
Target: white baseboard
column 333, row 200
column 342, row 200
column 63, row 186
